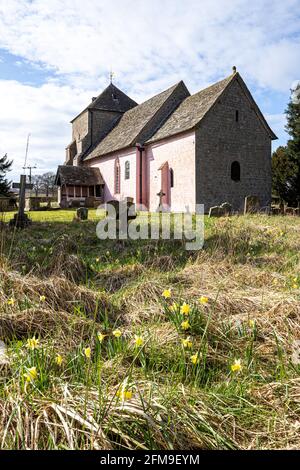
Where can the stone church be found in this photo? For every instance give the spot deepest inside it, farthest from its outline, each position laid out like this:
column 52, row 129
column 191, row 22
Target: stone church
column 207, row 148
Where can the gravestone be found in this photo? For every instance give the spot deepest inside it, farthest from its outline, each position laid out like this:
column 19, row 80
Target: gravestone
column 125, row 205
column 226, row 207
column 130, row 207
column 116, row 205
column 8, row 204
column 290, row 211
column 216, row 211
column 252, row 205
column 82, row 213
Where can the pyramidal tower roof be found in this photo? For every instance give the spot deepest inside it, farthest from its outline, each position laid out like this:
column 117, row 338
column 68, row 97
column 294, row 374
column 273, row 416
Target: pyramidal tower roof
column 111, row 99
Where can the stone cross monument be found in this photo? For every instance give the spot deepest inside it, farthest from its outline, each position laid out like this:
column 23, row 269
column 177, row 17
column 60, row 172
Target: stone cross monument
column 21, row 219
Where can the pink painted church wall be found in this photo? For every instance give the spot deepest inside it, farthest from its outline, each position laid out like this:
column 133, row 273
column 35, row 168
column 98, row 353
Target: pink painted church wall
column 106, row 165
column 179, row 152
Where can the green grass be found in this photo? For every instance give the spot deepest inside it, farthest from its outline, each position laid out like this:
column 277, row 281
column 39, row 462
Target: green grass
column 152, row 395
column 58, row 215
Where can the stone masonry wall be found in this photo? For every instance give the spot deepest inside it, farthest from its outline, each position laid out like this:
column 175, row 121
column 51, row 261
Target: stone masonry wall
column 81, row 132
column 220, row 140
column 102, row 122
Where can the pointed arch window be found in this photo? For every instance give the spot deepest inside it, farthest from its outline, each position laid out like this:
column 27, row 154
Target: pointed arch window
column 235, row 171
column 127, row 170
column 117, row 176
column 171, row 178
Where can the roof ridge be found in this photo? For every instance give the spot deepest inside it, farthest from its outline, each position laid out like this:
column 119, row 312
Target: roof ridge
column 229, row 78
column 154, row 96
column 133, row 123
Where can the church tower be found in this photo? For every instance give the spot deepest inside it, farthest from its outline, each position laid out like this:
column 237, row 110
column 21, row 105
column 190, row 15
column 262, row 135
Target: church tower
column 93, row 123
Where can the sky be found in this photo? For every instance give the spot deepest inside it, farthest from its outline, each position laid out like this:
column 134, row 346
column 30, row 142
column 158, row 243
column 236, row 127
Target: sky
column 55, row 55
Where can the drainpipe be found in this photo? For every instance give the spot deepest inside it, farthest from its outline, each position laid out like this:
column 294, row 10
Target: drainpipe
column 140, row 149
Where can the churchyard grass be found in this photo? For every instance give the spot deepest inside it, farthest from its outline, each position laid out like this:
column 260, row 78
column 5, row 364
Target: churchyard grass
column 144, row 345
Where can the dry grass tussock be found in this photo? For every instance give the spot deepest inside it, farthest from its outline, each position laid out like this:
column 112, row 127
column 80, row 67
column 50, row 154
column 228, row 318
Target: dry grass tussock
column 108, row 392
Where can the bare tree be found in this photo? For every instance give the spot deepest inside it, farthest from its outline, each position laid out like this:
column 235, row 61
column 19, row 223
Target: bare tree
column 37, row 184
column 48, row 183
column 44, row 184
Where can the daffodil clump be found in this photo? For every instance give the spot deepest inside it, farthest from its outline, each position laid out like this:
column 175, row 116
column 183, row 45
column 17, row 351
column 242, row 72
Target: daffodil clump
column 59, row 360
column 236, row 366
column 138, row 341
column 295, row 282
column 32, row 343
column 31, row 374
column 124, row 394
column 87, row 352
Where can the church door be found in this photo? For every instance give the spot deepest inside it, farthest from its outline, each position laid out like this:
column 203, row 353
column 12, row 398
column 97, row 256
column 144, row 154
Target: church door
column 165, row 183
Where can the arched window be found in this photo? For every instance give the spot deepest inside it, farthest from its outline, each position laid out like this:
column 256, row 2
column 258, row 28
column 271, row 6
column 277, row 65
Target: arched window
column 117, row 176
column 171, row 178
column 127, row 170
column 235, row 171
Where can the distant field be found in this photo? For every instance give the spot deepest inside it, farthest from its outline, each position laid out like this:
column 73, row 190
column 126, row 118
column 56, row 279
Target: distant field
column 144, row 345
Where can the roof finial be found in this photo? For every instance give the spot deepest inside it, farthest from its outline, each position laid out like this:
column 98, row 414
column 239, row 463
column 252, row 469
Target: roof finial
column 234, row 69
column 111, row 75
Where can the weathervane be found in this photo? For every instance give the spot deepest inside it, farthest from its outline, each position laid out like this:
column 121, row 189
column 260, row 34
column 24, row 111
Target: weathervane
column 111, row 75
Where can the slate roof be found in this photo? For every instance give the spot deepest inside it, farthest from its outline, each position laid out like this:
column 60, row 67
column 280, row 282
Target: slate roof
column 78, row 175
column 193, row 109
column 131, row 124
column 111, row 99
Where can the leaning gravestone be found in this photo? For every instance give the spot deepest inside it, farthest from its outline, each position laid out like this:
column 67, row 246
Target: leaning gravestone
column 252, row 205
column 82, row 213
column 226, row 207
column 216, row 211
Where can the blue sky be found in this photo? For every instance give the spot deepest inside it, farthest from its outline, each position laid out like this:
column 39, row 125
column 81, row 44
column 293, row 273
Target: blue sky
column 54, row 56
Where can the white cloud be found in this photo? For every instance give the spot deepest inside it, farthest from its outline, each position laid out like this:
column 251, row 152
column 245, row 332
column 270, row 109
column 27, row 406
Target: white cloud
column 150, row 46
column 44, row 112
column 196, row 40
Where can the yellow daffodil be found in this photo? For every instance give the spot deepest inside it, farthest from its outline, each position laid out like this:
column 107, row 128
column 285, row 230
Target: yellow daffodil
column 185, row 309
column 251, row 323
column 11, row 302
column 187, row 343
column 59, row 360
column 87, row 352
column 31, row 374
column 32, row 343
column 173, row 307
column 295, row 286
column 203, row 299
column 185, row 325
column 138, row 341
column 117, row 333
column 195, row 359
column 236, row 366
column 42, row 298
column 124, row 394
column 100, row 336
column 166, row 294
column 295, row 279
